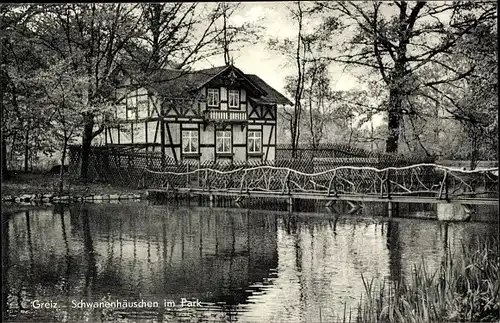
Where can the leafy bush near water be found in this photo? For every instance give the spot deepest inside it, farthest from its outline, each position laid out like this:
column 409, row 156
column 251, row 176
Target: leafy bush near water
column 466, row 287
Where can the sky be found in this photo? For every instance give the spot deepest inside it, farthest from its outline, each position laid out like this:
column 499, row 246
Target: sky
column 271, row 66
column 266, row 63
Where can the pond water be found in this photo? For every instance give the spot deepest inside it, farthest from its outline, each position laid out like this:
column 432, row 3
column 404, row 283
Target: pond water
column 229, row 264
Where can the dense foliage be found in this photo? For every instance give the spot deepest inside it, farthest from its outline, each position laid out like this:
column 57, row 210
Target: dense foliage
column 60, row 64
column 428, row 71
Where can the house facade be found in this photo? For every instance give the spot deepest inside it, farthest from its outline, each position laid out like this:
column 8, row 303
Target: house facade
column 219, row 114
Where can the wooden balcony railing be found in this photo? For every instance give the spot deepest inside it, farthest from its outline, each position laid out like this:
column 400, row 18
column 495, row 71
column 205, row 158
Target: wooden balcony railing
column 226, row 115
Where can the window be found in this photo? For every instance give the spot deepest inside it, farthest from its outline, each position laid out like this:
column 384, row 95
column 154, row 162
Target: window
column 142, row 106
column 131, row 113
column 254, row 141
column 131, row 108
column 213, row 97
column 234, row 99
column 224, row 141
column 190, row 141
column 120, row 111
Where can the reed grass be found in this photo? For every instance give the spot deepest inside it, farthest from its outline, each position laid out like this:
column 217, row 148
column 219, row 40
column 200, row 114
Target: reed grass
column 464, row 289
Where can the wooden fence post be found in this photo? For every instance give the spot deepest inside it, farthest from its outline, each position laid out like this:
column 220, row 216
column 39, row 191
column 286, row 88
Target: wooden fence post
column 332, row 183
column 198, row 179
column 187, row 175
column 206, row 185
column 288, row 182
column 242, row 182
column 446, row 184
column 388, row 183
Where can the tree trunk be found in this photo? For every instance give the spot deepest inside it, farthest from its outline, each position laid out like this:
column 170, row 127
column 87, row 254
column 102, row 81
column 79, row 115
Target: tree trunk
column 474, row 151
column 395, row 101
column 292, row 138
column 61, row 172
column 162, row 141
column 86, row 144
column 155, row 27
column 5, row 170
column 299, row 88
column 227, row 59
column 297, row 131
column 5, row 263
column 26, row 151
column 311, row 120
column 396, row 81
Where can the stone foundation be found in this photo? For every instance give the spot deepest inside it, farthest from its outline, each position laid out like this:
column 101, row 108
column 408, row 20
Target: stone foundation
column 51, row 198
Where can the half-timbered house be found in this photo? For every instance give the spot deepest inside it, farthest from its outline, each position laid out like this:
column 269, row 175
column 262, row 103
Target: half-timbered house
column 219, row 114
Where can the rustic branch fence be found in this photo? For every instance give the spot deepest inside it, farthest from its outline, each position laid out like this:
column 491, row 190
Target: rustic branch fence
column 375, row 174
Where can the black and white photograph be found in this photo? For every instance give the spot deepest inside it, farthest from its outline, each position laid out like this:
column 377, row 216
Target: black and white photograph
column 280, row 161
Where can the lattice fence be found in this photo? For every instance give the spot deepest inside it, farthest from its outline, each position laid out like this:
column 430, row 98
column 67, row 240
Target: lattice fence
column 132, row 167
column 331, row 150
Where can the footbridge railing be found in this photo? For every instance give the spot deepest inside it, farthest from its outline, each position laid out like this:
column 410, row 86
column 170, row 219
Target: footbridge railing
column 416, row 180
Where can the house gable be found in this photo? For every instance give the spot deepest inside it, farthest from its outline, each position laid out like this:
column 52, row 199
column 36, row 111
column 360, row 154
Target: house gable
column 233, row 78
column 176, row 84
column 172, row 115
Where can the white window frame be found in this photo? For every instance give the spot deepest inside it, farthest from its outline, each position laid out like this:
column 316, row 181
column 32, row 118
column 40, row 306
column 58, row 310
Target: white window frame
column 131, row 113
column 190, row 136
column 253, row 136
column 131, row 108
column 142, row 104
column 213, row 97
column 233, row 94
column 121, row 111
column 225, row 137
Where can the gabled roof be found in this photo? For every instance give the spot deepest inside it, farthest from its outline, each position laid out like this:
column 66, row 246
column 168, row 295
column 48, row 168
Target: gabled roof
column 272, row 96
column 180, row 84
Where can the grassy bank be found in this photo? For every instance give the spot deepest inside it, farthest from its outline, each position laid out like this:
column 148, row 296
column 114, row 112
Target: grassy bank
column 47, row 183
column 464, row 289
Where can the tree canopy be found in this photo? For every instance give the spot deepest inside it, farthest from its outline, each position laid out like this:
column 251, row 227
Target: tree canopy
column 79, row 49
column 419, row 61
column 428, row 70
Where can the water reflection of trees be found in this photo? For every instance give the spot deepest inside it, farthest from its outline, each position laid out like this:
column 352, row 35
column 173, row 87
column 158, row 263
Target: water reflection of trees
column 394, row 248
column 195, row 256
column 211, row 254
column 322, row 258
column 5, row 264
column 214, row 254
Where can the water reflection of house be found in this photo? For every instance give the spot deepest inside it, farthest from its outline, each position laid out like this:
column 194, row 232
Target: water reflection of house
column 213, row 255
column 195, row 253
